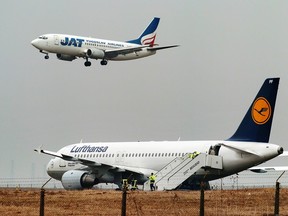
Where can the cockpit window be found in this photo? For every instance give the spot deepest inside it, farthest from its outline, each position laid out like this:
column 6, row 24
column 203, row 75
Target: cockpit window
column 43, row 37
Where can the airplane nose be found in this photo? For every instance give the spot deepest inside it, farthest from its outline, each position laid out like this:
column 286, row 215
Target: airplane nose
column 34, row 42
column 50, row 166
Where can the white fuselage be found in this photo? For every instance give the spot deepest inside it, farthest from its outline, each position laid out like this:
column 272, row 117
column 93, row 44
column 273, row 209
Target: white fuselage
column 147, row 157
column 77, row 46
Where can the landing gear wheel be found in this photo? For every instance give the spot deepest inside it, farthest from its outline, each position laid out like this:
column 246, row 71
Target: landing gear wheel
column 46, row 56
column 87, row 63
column 103, row 62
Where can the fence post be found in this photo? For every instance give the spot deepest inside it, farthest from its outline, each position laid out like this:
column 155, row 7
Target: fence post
column 277, row 196
column 42, row 195
column 276, row 207
column 124, row 197
column 202, row 199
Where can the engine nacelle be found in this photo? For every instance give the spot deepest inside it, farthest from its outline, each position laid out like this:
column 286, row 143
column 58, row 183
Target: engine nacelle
column 95, row 53
column 65, row 57
column 78, row 180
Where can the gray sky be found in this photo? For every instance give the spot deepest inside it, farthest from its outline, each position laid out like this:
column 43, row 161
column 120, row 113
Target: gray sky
column 198, row 91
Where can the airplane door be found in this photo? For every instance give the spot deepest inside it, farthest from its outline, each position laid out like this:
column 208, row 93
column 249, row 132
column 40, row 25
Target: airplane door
column 214, row 150
column 56, row 40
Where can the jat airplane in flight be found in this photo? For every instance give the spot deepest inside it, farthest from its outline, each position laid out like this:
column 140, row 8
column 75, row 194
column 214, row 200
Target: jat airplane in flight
column 82, row 165
column 69, row 47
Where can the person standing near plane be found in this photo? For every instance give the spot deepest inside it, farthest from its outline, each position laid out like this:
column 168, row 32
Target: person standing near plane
column 134, row 185
column 194, row 154
column 152, row 179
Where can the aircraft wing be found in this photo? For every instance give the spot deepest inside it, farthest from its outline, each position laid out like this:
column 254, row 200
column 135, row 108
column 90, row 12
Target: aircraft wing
column 68, row 157
column 123, row 51
column 115, row 53
column 161, row 47
column 94, row 164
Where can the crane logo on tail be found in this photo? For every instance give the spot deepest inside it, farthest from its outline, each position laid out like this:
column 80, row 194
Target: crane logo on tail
column 261, row 111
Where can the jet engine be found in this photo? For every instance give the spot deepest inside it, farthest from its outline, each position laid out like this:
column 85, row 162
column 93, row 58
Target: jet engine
column 65, row 57
column 95, row 53
column 78, row 180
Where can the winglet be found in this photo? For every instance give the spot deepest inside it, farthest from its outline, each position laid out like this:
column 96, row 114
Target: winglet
column 39, row 149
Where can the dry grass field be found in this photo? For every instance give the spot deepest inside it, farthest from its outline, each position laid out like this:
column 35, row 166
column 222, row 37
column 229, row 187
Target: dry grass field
column 101, row 202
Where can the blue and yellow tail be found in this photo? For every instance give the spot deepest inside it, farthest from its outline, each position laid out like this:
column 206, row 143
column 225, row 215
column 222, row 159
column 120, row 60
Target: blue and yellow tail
column 256, row 125
column 149, row 34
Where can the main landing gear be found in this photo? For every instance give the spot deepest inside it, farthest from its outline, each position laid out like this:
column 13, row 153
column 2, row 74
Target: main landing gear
column 103, row 62
column 87, row 63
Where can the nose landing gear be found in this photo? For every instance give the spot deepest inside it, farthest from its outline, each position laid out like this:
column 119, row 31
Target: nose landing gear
column 46, row 54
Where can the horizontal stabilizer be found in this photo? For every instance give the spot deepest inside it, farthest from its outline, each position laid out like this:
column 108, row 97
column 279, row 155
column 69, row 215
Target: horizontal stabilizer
column 237, row 147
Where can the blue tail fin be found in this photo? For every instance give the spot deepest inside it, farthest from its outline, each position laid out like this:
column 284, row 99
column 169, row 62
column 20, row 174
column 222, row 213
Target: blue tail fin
column 149, row 34
column 256, row 125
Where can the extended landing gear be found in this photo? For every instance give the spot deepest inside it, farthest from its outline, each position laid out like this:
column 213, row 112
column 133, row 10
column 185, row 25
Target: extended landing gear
column 103, row 62
column 87, row 63
column 46, row 54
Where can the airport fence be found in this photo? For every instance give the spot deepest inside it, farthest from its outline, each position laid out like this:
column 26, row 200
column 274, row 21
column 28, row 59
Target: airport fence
column 29, row 183
column 235, row 198
column 213, row 202
column 260, row 201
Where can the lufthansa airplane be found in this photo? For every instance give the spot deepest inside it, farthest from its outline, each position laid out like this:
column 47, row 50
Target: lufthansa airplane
column 69, row 47
column 82, row 165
